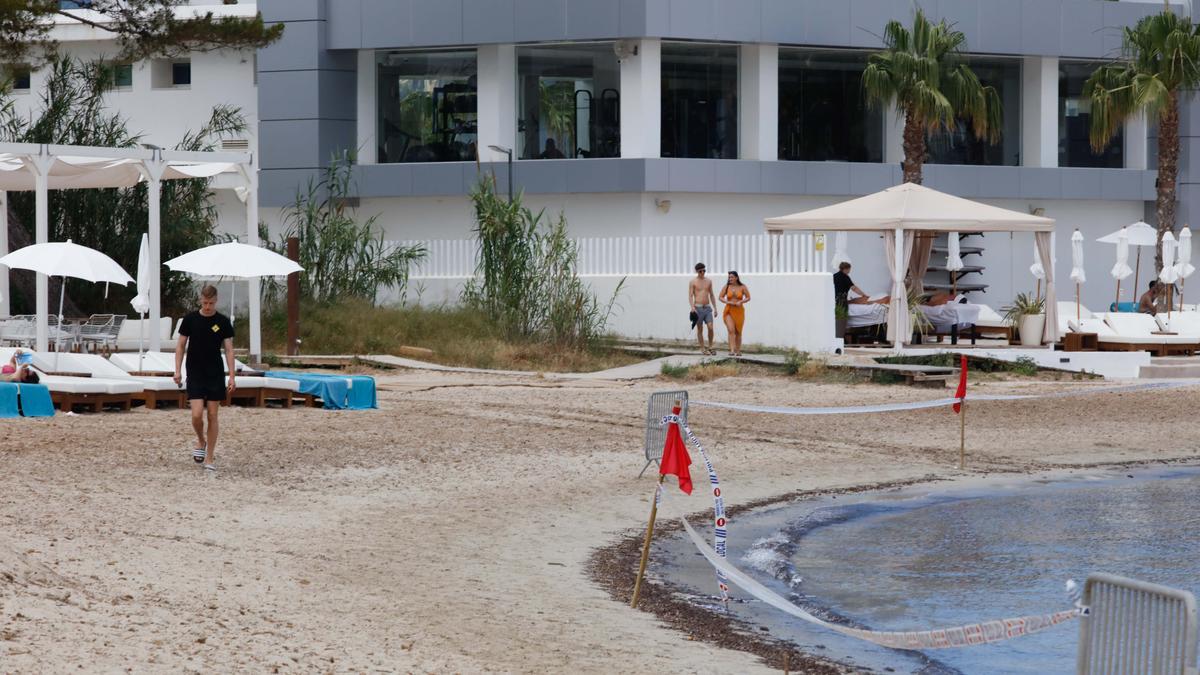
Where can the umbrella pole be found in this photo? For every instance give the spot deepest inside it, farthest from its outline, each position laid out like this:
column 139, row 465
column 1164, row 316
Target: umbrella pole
column 1182, row 284
column 1137, row 272
column 1077, row 320
column 1039, row 290
column 142, row 344
column 62, row 292
column 1117, row 302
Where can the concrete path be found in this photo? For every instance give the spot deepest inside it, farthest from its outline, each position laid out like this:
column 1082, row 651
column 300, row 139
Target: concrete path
column 637, row 371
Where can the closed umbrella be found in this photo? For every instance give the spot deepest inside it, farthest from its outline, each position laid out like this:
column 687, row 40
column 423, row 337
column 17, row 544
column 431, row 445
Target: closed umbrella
column 1077, row 274
column 1169, row 274
column 1140, row 234
column 839, row 249
column 236, row 260
column 66, row 259
column 1121, row 270
column 954, row 261
column 1184, row 266
column 141, row 301
column 1037, row 270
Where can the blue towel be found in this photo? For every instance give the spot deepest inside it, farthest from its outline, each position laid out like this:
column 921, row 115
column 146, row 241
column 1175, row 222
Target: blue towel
column 35, row 401
column 8, row 400
column 362, row 394
column 1123, row 307
column 333, row 391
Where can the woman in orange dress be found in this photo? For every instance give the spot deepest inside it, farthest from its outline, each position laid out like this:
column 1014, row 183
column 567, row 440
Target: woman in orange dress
column 735, row 295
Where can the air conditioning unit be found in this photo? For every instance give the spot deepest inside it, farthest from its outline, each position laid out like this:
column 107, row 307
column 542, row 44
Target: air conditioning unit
column 235, row 144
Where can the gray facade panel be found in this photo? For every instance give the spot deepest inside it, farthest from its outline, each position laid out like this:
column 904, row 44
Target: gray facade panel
column 541, row 176
column 1041, row 26
column 784, row 178
column 1115, row 184
column 590, row 19
column 693, row 19
column 387, row 23
column 290, row 144
column 437, row 23
column 827, row 178
column 1082, row 183
column 1000, row 28
column 439, row 179
column 494, row 172
column 1082, row 29
column 289, row 95
column 541, row 20
column 489, row 21
column 952, row 179
column 657, row 17
column 598, row 176
column 963, row 16
column 869, row 178
column 633, row 18
column 740, row 21
column 824, row 23
column 739, row 176
column 692, row 175
column 655, row 175
column 344, row 24
column 1121, row 14
column 868, row 17
column 1037, row 183
column 384, row 180
column 999, row 181
column 293, row 10
column 277, row 187
column 781, row 17
column 296, row 50
column 1189, row 160
column 339, row 95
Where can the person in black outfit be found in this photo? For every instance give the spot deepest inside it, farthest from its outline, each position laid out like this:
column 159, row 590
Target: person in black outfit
column 203, row 335
column 843, row 284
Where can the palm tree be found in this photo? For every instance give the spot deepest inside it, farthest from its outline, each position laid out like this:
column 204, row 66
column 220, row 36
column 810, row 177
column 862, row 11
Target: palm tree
column 1160, row 63
column 922, row 74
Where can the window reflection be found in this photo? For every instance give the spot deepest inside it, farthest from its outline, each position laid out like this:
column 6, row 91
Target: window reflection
column 960, row 146
column 427, row 106
column 1075, row 119
column 822, row 113
column 700, row 101
column 569, row 102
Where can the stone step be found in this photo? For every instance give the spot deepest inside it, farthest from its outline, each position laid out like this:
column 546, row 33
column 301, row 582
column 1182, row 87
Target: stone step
column 1172, row 371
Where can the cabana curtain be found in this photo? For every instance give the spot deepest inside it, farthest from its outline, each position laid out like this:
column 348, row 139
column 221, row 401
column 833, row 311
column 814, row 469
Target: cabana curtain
column 1046, row 253
column 899, row 322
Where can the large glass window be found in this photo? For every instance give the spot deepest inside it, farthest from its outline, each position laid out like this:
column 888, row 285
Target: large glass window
column 1075, row 119
column 569, row 102
column 960, row 146
column 427, row 106
column 700, row 101
column 822, row 113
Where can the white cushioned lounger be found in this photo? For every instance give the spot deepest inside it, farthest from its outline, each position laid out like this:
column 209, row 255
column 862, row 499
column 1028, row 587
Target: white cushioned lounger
column 1186, row 324
column 159, row 362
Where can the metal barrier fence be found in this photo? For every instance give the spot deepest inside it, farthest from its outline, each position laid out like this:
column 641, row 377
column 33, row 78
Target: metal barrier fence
column 1136, row 628
column 749, row 254
column 661, row 403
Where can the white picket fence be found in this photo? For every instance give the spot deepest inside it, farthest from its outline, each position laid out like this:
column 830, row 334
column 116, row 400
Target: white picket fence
column 749, row 254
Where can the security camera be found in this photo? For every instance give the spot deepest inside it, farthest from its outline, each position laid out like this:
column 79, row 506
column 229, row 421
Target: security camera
column 625, row 49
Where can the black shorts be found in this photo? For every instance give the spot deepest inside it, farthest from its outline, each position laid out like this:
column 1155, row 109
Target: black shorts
column 206, row 389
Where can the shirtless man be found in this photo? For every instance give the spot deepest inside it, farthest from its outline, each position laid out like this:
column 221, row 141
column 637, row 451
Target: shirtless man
column 702, row 301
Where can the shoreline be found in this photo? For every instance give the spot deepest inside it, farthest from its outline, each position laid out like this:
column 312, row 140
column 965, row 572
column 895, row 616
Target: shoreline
column 608, row 567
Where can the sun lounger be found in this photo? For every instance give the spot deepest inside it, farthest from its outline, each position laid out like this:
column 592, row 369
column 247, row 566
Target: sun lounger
column 77, row 387
column 1066, row 312
column 1186, row 324
column 130, row 333
column 252, row 388
column 1126, row 331
column 155, row 389
column 991, row 324
column 161, row 363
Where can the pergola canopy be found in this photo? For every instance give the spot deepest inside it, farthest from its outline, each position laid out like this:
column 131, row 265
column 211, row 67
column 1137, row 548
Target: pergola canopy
column 911, row 207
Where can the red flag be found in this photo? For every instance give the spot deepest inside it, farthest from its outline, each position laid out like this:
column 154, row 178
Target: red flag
column 962, row 383
column 675, row 458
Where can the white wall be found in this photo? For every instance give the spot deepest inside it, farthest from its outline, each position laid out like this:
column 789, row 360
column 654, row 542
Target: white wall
column 785, row 310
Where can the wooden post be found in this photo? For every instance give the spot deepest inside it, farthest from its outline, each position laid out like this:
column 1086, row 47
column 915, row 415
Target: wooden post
column 962, row 434
column 293, row 300
column 637, row 585
column 1117, row 302
column 787, row 662
column 1137, row 273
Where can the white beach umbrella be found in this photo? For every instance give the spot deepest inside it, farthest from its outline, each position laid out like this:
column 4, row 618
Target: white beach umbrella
column 66, row 259
column 954, row 261
column 1140, row 234
column 1121, row 270
column 141, row 301
column 1169, row 274
column 1184, row 266
column 1037, row 270
column 1077, row 273
column 233, row 259
column 840, row 254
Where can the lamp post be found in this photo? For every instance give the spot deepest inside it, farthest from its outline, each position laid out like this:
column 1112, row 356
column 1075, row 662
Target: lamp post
column 509, row 153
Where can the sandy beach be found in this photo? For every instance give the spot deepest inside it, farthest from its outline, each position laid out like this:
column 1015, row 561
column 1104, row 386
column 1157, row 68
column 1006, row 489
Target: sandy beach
column 451, row 529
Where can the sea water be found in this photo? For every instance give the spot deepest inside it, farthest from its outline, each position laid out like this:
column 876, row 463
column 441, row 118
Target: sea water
column 923, row 559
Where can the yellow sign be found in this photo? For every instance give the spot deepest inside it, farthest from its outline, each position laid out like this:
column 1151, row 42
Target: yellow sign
column 819, row 241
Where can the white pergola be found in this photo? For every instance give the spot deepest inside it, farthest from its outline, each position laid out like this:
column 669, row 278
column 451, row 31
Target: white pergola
column 42, row 167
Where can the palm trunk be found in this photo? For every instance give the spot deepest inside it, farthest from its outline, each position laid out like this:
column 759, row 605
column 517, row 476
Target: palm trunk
column 1168, row 172
column 914, row 150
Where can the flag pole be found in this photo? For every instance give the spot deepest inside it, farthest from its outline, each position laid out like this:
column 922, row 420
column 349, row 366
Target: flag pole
column 637, row 585
column 962, row 434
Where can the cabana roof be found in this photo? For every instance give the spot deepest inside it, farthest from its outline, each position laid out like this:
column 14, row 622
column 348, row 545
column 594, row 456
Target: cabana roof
column 82, row 167
column 911, row 207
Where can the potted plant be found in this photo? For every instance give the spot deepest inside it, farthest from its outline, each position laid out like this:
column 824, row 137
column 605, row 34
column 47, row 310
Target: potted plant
column 1027, row 314
column 921, row 325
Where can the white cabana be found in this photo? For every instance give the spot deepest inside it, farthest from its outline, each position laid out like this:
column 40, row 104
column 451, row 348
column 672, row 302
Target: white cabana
column 41, row 168
column 904, row 211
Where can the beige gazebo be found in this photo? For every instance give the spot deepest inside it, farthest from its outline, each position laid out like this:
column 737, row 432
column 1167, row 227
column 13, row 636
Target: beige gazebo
column 904, row 213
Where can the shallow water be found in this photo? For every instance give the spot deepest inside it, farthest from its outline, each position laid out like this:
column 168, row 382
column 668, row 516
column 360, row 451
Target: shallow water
column 912, row 561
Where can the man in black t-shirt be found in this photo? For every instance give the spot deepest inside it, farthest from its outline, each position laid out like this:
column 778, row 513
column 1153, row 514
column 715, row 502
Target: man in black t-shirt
column 203, row 335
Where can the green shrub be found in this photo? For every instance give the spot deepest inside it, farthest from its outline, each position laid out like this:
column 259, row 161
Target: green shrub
column 674, row 371
column 795, row 361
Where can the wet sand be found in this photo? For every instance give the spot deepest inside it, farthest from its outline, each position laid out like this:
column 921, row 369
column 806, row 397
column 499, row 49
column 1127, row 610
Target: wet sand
column 455, row 528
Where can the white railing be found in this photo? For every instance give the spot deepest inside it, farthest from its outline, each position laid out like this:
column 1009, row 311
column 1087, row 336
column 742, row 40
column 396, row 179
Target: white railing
column 749, row 254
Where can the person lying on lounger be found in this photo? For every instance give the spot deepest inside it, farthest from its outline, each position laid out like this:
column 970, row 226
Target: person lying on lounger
column 18, row 369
